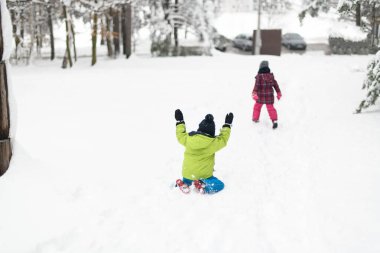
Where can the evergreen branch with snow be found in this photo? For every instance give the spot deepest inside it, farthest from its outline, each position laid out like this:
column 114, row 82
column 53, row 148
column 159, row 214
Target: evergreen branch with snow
column 372, row 84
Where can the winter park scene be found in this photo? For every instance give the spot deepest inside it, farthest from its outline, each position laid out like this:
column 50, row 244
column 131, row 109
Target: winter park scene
column 228, row 126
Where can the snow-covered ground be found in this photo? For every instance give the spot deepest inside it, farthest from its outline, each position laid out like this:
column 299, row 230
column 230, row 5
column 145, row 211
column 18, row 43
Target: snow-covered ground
column 96, row 153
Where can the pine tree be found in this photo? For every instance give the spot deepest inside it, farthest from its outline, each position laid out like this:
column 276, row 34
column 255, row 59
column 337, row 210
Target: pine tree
column 372, row 84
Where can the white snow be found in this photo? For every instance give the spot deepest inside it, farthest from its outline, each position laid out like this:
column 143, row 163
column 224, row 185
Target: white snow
column 96, row 153
column 348, row 31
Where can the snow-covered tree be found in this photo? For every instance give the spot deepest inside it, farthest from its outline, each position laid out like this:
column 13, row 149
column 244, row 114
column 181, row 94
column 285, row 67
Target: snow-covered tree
column 372, row 83
column 351, row 8
column 167, row 17
column 116, row 21
column 314, row 7
column 112, row 20
column 32, row 21
column 365, row 13
column 273, row 8
column 160, row 28
column 197, row 18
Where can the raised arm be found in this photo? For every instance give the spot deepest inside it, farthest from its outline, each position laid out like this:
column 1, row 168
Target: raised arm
column 221, row 140
column 180, row 128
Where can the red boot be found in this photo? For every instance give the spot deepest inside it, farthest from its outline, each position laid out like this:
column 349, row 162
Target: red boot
column 182, row 186
column 199, row 186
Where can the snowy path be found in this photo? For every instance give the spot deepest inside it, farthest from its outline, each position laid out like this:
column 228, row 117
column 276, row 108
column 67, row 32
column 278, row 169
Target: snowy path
column 96, row 153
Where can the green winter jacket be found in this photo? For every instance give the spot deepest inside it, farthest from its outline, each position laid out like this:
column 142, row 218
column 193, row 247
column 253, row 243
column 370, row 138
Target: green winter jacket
column 199, row 157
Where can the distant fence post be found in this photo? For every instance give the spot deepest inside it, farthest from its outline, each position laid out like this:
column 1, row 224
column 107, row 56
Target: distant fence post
column 5, row 142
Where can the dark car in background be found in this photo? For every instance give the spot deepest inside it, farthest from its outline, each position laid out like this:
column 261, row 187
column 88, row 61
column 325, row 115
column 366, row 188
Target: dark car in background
column 293, row 41
column 243, row 42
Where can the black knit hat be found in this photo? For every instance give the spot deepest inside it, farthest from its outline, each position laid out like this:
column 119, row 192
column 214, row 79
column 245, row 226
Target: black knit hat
column 207, row 125
column 264, row 64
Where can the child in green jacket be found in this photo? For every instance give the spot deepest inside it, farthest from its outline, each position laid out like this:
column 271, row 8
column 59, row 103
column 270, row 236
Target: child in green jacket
column 199, row 157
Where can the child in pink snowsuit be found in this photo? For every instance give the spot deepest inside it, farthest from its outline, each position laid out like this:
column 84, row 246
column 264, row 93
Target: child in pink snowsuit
column 263, row 93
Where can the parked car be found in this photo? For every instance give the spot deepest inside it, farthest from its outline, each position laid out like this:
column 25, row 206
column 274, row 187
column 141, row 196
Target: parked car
column 221, row 43
column 243, row 42
column 221, row 46
column 293, row 41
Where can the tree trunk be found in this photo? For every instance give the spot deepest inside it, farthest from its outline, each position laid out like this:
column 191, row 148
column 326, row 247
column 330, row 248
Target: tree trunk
column 109, row 33
column 94, row 38
column 39, row 31
column 74, row 44
column 128, row 17
column 176, row 27
column 4, row 104
column 14, row 30
column 358, row 15
column 103, row 32
column 22, row 26
column 373, row 25
column 51, row 31
column 166, row 6
column 67, row 57
column 116, row 31
column 5, row 155
column 124, row 29
column 5, row 144
column 167, row 41
column 32, row 27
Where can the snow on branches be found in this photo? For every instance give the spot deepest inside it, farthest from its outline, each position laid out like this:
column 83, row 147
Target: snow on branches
column 314, row 7
column 372, row 84
column 171, row 19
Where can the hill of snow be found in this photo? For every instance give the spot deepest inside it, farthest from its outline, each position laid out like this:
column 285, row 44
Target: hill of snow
column 96, row 153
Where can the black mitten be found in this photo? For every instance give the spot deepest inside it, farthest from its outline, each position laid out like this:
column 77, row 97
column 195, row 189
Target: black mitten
column 229, row 119
column 178, row 115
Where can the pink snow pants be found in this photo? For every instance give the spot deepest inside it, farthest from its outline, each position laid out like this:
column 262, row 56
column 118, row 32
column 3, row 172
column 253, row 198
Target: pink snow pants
column 257, row 109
